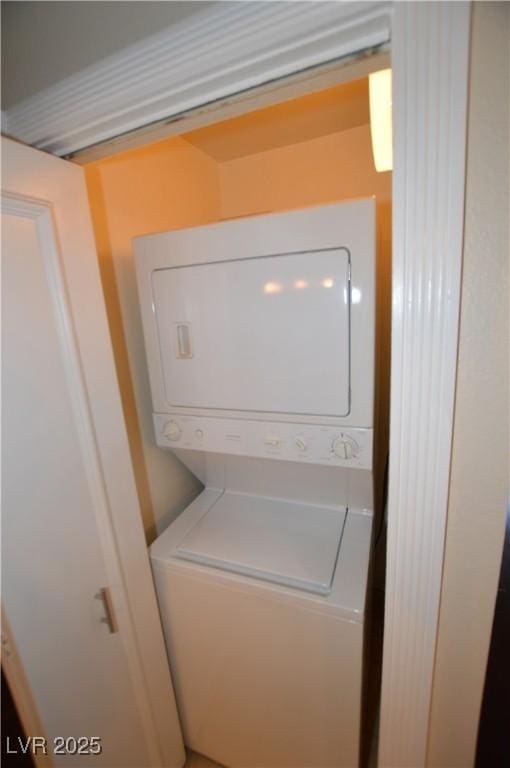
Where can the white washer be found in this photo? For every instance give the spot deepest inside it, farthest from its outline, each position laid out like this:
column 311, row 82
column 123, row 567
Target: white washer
column 260, row 343
column 266, row 674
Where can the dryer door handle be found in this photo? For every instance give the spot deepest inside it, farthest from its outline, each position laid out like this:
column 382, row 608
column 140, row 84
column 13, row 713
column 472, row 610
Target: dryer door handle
column 183, row 331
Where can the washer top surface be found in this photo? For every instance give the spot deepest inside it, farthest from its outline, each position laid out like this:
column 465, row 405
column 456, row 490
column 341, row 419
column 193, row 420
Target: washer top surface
column 285, row 542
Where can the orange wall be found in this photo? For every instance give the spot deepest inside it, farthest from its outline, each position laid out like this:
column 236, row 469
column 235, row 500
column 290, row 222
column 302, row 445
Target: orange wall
column 163, row 186
column 173, row 184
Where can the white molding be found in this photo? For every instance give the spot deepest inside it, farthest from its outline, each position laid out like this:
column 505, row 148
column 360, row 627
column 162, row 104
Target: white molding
column 221, row 51
column 430, row 54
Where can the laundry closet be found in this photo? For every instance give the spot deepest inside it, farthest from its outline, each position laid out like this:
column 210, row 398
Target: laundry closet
column 282, row 204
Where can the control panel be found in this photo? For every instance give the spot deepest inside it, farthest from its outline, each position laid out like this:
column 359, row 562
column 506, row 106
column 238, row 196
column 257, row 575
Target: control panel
column 307, row 443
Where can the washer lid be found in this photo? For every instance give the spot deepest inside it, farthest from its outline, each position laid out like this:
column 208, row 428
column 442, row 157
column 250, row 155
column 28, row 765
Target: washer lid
column 280, row 541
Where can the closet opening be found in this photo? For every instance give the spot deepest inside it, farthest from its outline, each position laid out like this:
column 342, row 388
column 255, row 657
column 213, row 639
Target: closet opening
column 300, row 153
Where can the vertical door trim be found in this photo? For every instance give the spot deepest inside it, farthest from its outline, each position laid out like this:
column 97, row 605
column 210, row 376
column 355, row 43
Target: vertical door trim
column 40, row 211
column 430, row 54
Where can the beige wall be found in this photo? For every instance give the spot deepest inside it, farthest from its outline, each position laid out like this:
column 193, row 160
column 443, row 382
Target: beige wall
column 479, row 478
column 164, row 186
column 173, row 184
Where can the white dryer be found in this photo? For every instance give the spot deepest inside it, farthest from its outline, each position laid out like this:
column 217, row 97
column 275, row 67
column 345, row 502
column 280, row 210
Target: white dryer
column 260, row 343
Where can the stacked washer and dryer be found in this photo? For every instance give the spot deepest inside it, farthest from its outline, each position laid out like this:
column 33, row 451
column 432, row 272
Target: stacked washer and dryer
column 259, row 335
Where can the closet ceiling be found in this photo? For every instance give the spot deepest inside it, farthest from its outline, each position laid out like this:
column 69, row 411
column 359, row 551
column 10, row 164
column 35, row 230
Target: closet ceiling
column 330, row 111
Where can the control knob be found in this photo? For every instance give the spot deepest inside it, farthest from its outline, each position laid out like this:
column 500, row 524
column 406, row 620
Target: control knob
column 300, row 443
column 172, row 430
column 345, row 447
column 272, row 441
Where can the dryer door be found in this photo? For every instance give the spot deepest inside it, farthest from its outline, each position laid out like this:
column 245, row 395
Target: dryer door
column 267, row 334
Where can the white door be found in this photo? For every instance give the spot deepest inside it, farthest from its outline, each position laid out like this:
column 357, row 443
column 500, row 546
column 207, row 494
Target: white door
column 64, row 566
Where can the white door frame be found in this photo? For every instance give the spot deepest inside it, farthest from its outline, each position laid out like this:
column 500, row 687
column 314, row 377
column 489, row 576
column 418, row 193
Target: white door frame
column 430, row 56
column 429, row 52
